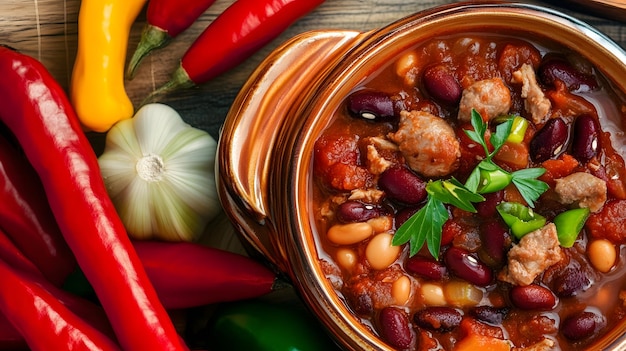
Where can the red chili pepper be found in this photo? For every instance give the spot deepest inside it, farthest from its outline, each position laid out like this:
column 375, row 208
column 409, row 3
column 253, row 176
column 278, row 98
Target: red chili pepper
column 14, row 257
column 242, row 29
column 37, row 111
column 187, row 274
column 45, row 322
column 165, row 19
column 27, row 219
column 87, row 310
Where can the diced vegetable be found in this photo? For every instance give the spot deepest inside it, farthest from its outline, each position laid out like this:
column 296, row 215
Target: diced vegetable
column 569, row 224
column 521, row 219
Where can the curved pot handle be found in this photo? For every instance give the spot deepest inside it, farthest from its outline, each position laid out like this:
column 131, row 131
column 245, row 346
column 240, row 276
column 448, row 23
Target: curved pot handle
column 265, row 106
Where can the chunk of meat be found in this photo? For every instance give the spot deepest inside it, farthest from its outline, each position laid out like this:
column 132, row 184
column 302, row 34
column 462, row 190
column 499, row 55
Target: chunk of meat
column 490, row 97
column 534, row 253
column 370, row 195
column 380, row 154
column 428, row 143
column 582, row 189
column 535, row 101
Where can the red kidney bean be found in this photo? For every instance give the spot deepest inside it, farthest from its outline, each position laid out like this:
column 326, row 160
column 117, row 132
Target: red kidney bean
column 487, row 208
column 402, row 185
column 466, row 266
column 581, row 325
column 371, row 105
column 558, row 68
column 549, row 141
column 570, row 281
column 425, row 267
column 404, row 214
column 585, row 142
column 438, row 318
column 489, row 314
column 441, row 84
column 356, row 211
column 495, row 235
column 532, row 297
column 395, row 328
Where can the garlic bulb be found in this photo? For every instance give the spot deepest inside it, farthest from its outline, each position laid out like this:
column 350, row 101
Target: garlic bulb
column 159, row 173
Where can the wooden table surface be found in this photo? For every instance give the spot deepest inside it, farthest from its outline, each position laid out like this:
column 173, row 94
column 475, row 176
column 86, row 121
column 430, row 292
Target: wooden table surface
column 47, row 30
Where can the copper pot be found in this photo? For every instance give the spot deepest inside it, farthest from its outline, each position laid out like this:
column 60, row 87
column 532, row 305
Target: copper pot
column 266, row 146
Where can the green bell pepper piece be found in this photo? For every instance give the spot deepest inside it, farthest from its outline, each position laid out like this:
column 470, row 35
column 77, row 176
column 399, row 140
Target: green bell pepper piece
column 521, row 219
column 262, row 325
column 569, row 224
column 493, row 180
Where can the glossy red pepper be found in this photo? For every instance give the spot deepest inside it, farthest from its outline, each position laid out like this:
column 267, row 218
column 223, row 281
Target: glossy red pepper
column 87, row 310
column 190, row 275
column 27, row 219
column 187, row 274
column 165, row 19
column 36, row 109
column 45, row 322
column 242, row 29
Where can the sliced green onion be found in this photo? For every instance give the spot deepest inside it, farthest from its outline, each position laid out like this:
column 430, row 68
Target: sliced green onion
column 569, row 224
column 521, row 219
column 493, row 180
column 518, row 130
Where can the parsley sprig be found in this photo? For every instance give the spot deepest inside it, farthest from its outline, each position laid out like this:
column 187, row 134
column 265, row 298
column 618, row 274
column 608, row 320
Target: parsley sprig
column 426, row 225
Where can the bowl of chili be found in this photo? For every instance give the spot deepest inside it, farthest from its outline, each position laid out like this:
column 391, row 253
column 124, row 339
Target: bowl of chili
column 318, row 170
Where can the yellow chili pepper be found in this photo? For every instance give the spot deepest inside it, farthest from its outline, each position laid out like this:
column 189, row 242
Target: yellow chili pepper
column 97, row 88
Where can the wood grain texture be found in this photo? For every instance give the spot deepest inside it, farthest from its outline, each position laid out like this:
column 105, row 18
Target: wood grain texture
column 47, row 30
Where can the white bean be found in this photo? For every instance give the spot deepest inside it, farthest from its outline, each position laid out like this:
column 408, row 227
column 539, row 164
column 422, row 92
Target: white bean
column 432, row 294
column 602, row 254
column 401, row 290
column 350, row 233
column 380, row 253
column 346, row 258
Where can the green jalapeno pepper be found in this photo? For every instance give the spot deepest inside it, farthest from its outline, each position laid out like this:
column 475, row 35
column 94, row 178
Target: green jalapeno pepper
column 569, row 224
column 521, row 219
column 262, row 325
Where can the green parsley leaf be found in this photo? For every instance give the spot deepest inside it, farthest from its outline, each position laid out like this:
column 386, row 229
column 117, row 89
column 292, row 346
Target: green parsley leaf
column 478, row 134
column 528, row 186
column 499, row 137
column 454, row 193
column 424, row 226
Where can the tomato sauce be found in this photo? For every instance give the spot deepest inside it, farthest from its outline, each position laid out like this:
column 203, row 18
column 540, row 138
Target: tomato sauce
column 470, row 293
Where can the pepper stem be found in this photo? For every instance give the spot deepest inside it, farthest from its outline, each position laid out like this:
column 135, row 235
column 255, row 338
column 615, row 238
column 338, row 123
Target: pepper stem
column 180, row 80
column 152, row 38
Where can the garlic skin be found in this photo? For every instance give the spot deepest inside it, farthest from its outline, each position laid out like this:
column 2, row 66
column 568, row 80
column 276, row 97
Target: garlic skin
column 159, row 173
